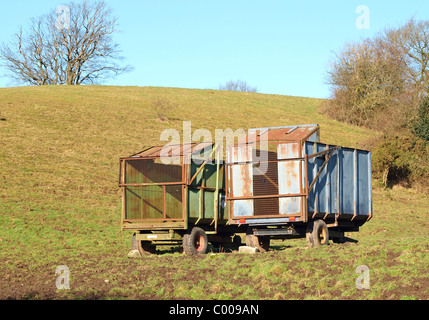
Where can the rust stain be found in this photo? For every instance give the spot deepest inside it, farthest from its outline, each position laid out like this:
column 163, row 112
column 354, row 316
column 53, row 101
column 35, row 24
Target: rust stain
column 245, row 181
column 295, row 149
column 177, row 150
column 279, row 134
column 289, row 177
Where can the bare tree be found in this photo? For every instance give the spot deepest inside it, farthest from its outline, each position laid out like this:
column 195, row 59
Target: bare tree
column 413, row 40
column 366, row 78
column 382, row 78
column 237, row 85
column 70, row 46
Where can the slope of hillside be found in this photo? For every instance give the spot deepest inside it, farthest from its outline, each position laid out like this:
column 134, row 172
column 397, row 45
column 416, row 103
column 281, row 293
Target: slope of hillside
column 60, row 205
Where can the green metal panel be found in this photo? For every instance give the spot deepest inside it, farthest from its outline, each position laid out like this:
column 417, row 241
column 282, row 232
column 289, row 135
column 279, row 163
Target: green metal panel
column 209, row 173
column 193, row 203
column 144, row 202
column 206, row 204
column 151, row 201
column 147, row 202
column 210, row 176
column 173, row 201
column 132, row 202
column 209, row 204
column 160, row 198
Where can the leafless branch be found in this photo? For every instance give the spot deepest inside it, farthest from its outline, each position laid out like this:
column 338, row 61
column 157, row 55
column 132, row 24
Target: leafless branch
column 79, row 53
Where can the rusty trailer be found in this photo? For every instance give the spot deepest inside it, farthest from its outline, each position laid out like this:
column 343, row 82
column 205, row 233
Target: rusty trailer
column 276, row 183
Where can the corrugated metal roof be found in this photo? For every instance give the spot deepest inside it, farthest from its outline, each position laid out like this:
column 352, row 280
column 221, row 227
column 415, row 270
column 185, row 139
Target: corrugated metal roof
column 174, row 150
column 308, row 132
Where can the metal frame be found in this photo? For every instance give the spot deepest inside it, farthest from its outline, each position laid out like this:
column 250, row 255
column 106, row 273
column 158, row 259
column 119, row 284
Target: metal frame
column 305, row 187
column 185, row 183
column 123, row 162
column 184, row 151
column 303, row 178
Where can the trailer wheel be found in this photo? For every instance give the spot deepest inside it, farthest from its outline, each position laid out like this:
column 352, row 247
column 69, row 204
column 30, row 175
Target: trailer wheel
column 317, row 233
column 143, row 247
column 259, row 242
column 195, row 242
column 236, row 240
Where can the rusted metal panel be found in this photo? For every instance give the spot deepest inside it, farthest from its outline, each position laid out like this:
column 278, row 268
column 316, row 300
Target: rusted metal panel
column 242, row 177
column 173, row 150
column 288, row 150
column 290, row 205
column 276, row 191
column 152, row 190
column 289, row 177
column 286, row 133
column 289, row 172
column 242, row 208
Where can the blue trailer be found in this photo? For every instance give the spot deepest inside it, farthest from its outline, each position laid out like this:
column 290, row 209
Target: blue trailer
column 301, row 188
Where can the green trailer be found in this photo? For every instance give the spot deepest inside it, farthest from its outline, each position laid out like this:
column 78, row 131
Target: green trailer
column 175, row 195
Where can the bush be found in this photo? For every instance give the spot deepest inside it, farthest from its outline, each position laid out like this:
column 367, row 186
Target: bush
column 401, row 160
column 421, row 126
column 367, row 78
column 162, row 108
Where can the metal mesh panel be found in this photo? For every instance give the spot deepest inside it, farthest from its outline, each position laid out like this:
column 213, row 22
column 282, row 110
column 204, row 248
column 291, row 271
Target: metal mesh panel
column 152, row 171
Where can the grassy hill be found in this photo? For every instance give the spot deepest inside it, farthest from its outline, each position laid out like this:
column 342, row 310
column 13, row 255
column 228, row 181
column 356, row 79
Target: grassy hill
column 60, row 204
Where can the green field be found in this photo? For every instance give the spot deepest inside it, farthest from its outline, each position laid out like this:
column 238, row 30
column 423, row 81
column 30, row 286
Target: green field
column 60, row 204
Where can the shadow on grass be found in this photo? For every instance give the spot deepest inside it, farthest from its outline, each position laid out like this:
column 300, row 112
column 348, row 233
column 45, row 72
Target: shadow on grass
column 161, row 250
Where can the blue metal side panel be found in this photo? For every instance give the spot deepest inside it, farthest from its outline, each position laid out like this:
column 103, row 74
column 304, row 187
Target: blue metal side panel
column 321, row 185
column 370, row 183
column 363, row 203
column 347, row 181
column 344, row 185
column 332, row 184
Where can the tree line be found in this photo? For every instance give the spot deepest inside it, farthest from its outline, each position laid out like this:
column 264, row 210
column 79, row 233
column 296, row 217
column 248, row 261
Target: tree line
column 383, row 83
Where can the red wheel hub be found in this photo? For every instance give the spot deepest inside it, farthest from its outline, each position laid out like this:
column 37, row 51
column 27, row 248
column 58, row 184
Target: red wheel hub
column 199, row 243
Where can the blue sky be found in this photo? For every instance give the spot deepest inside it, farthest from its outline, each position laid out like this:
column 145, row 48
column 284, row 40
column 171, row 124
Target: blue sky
column 281, row 47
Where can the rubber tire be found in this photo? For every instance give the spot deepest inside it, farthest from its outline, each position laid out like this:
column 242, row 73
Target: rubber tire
column 317, row 233
column 236, row 240
column 143, row 247
column 195, row 242
column 262, row 243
